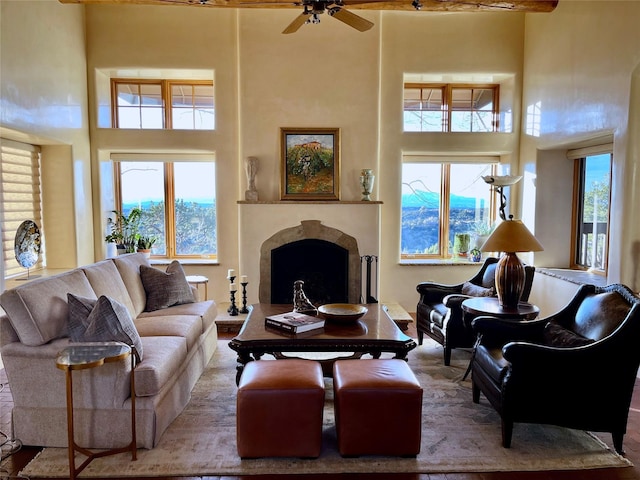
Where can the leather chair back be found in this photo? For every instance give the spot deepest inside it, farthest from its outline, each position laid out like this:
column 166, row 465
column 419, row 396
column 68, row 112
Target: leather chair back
column 599, row 315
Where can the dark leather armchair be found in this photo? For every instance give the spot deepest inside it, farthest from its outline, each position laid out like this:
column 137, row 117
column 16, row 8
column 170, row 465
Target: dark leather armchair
column 575, row 369
column 439, row 311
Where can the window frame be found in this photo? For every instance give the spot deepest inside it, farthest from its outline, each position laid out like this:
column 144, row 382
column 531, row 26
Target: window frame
column 447, row 103
column 169, row 213
column 579, row 158
column 23, row 192
column 444, row 212
column 166, row 95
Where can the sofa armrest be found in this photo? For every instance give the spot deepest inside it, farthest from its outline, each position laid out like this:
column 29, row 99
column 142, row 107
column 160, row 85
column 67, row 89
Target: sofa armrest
column 36, row 382
column 7, row 333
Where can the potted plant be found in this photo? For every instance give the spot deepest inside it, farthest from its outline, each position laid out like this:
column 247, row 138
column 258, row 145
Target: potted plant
column 124, row 230
column 145, row 244
column 113, row 239
column 461, row 242
column 481, row 231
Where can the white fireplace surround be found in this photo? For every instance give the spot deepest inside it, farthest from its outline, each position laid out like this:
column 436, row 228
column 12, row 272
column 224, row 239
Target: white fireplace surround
column 267, row 225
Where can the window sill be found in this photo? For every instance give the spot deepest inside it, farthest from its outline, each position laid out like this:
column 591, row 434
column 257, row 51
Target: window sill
column 185, row 261
column 438, row 261
column 578, row 277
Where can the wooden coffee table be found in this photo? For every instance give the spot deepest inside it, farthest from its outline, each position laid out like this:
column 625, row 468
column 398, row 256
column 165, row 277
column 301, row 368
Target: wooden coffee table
column 373, row 334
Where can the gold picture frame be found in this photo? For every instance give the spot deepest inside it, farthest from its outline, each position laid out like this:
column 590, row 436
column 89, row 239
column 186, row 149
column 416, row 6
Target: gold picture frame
column 310, row 164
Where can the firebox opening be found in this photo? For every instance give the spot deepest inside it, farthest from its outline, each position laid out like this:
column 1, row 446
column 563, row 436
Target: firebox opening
column 322, row 265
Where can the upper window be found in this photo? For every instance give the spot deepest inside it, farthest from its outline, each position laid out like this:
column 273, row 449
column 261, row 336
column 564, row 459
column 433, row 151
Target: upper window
column 592, row 193
column 158, row 104
column 178, row 202
column 450, row 108
column 445, row 208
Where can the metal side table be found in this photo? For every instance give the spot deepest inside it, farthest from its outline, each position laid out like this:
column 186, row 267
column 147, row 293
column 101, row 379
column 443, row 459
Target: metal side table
column 83, row 356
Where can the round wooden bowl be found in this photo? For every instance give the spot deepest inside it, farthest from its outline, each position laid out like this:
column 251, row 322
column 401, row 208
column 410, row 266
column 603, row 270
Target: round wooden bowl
column 342, row 312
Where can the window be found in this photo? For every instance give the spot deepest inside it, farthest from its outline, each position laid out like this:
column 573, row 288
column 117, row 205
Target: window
column 440, row 200
column 592, row 192
column 450, row 108
column 178, row 201
column 20, row 197
column 168, row 104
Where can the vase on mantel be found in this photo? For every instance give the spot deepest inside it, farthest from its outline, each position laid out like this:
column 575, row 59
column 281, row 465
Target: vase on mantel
column 366, row 181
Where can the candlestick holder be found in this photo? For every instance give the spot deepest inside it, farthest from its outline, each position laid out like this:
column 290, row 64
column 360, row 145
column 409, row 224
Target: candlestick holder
column 231, row 295
column 233, row 309
column 244, row 308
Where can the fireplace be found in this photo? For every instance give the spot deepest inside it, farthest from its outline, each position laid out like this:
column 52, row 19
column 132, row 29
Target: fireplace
column 326, row 259
column 266, row 225
column 323, row 267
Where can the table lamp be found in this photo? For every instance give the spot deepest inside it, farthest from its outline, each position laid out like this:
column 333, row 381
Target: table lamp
column 510, row 236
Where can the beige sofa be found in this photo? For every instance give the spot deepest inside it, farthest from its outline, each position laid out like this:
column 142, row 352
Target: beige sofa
column 177, row 342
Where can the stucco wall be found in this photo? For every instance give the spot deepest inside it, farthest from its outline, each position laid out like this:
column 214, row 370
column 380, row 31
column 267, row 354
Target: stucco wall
column 43, row 99
column 577, row 62
column 584, row 91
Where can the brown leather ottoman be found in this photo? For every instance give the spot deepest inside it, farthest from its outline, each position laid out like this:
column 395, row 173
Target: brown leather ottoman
column 279, row 409
column 378, row 407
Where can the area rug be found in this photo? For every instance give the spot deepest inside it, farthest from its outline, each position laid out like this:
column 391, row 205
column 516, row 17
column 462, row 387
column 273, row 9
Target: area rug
column 457, row 435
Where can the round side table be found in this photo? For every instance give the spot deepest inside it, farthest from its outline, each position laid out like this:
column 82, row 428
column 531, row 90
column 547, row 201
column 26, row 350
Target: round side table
column 478, row 306
column 82, row 356
column 198, row 280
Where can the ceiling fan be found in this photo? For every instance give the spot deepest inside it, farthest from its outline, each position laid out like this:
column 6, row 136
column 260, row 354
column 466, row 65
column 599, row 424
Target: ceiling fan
column 335, row 9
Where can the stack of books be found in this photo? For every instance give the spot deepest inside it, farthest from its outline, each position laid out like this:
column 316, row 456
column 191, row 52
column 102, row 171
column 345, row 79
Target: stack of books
column 294, row 322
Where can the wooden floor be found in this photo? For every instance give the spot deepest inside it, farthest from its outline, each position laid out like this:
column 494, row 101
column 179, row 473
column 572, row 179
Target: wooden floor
column 18, row 460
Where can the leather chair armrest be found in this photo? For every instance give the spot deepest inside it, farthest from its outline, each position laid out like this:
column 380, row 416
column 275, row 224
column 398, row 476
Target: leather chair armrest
column 455, row 300
column 497, row 331
column 435, row 292
column 546, row 360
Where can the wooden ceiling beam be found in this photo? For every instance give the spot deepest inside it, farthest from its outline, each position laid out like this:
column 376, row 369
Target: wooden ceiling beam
column 541, row 6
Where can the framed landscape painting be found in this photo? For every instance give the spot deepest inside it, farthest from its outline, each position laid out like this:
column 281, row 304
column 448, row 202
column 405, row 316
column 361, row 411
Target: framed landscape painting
column 310, row 164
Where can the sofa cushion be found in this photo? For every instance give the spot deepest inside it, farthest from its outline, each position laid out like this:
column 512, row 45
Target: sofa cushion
column 129, row 268
column 438, row 314
column 555, row 335
column 207, row 311
column 165, row 356
column 106, row 280
column 474, row 290
column 186, row 326
column 38, row 310
column 107, row 320
column 165, row 289
column 492, row 362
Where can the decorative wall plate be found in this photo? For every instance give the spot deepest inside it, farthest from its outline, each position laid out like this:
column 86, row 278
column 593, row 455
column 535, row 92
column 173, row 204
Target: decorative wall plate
column 27, row 244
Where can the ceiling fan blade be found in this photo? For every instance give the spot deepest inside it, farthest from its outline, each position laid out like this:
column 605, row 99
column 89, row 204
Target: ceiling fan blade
column 351, row 19
column 297, row 23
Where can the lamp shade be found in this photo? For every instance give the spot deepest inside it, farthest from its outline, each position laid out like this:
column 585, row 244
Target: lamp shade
column 512, row 236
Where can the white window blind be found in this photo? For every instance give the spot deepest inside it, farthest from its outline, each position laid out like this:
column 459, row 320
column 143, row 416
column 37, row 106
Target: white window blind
column 20, row 197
